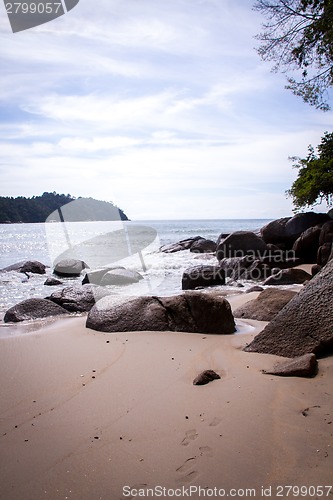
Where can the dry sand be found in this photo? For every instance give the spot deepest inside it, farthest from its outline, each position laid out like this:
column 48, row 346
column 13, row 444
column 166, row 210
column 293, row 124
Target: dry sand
column 84, row 414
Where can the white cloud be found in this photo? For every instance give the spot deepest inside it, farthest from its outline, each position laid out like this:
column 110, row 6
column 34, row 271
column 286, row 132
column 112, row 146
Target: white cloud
column 162, row 107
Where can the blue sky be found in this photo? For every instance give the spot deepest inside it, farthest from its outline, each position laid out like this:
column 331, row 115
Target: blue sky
column 162, row 107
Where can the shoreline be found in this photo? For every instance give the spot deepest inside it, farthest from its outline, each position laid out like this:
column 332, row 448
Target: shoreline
column 85, row 413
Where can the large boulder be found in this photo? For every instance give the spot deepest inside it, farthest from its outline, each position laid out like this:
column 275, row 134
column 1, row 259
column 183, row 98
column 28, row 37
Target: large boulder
column 266, row 306
column 78, row 298
column 288, row 277
column 305, row 324
column 69, row 268
column 190, row 312
column 306, row 246
column 203, row 246
column 33, row 309
column 241, row 243
column 202, row 276
column 27, row 266
column 287, row 230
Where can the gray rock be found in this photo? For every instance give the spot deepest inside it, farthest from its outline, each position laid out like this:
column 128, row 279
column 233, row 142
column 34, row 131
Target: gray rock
column 69, row 268
column 324, row 252
column 239, row 244
column 255, row 288
column 203, row 246
column 32, row 309
column 288, row 277
column 288, row 229
column 95, row 275
column 205, row 377
column 315, row 269
column 302, row 366
column 52, row 282
column 202, row 276
column 305, row 324
column 266, row 306
column 27, row 266
column 326, row 233
column 190, row 312
column 180, row 245
column 78, row 298
column 306, row 246
column 245, row 268
column 120, row 277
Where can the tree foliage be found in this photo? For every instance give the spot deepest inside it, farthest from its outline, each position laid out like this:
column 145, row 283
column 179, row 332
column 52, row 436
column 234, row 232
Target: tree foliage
column 38, row 208
column 298, row 35
column 314, row 183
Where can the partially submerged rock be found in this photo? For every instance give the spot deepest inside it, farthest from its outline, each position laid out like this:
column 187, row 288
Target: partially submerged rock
column 190, row 312
column 205, row 377
column 180, row 245
column 114, row 275
column 33, row 309
column 52, row 282
column 120, row 277
column 305, row 324
column 266, row 306
column 27, row 266
column 302, row 366
column 69, row 268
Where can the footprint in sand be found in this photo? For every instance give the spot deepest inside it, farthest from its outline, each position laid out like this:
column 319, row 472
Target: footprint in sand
column 187, row 465
column 216, row 421
column 187, row 478
column 190, row 435
column 206, row 451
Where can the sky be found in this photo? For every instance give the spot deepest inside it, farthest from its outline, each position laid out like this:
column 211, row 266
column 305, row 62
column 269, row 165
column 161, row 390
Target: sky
column 163, row 107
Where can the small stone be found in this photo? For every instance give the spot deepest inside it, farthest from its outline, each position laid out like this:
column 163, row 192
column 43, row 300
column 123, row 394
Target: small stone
column 205, row 377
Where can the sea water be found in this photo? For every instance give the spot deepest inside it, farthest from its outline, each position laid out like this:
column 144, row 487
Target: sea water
column 162, row 272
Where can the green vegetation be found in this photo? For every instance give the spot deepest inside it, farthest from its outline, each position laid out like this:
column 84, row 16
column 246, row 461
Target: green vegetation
column 314, row 183
column 39, row 208
column 298, row 36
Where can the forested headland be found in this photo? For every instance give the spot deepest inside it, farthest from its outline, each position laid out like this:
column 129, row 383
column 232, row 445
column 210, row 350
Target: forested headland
column 39, row 208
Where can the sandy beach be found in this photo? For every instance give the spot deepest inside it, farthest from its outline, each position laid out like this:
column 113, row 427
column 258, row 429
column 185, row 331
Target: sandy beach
column 88, row 415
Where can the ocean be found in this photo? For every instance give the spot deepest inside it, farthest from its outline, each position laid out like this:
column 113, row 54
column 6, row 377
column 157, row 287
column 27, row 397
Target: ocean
column 137, row 248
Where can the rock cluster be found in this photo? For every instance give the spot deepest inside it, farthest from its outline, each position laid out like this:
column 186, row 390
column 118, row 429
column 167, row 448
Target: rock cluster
column 197, row 244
